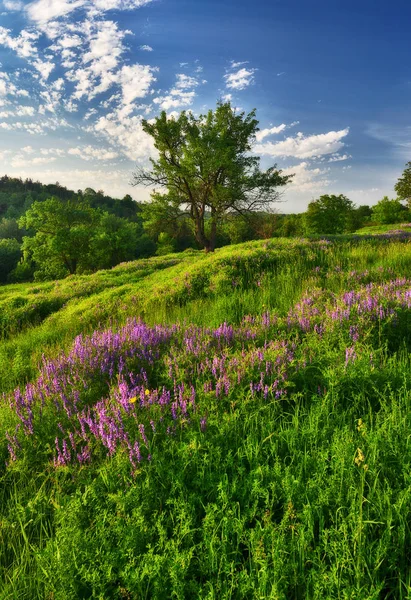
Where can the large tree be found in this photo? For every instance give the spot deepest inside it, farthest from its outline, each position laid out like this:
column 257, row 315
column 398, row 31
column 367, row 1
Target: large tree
column 205, row 169
column 403, row 185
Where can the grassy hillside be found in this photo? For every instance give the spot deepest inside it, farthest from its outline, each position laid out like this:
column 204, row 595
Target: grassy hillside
column 217, row 426
column 390, row 229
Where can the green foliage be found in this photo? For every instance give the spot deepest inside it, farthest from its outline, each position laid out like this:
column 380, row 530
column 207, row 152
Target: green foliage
column 10, row 254
column 205, row 164
column 388, row 211
column 114, row 240
column 24, row 271
column 16, row 197
column 363, row 214
column 165, row 244
column 162, row 218
column 403, row 185
column 292, row 225
column 9, row 229
column 330, row 214
column 71, row 237
column 64, row 231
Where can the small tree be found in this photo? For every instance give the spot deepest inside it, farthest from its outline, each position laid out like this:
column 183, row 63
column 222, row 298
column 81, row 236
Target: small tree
column 329, row 214
column 403, row 185
column 64, row 230
column 206, row 170
column 114, row 241
column 388, row 211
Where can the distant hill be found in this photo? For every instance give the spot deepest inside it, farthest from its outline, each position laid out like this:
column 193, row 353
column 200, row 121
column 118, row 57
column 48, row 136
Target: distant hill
column 17, row 195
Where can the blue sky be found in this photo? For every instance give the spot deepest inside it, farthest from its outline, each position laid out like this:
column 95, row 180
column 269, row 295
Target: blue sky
column 331, row 82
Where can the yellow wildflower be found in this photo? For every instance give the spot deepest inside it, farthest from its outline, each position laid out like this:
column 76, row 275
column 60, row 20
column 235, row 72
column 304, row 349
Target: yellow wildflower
column 360, row 458
column 132, row 400
column 147, row 392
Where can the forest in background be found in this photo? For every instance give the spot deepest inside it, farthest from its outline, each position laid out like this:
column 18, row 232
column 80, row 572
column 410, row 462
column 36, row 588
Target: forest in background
column 115, row 230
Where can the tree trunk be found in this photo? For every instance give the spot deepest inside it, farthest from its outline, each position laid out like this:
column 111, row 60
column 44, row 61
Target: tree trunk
column 213, row 231
column 199, row 233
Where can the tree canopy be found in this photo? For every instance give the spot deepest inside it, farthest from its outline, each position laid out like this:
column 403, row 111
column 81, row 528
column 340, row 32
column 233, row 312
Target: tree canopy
column 403, row 185
column 205, row 169
column 389, row 211
column 63, row 232
column 71, row 237
column 329, row 214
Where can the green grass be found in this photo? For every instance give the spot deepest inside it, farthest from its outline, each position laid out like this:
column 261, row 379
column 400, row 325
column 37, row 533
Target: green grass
column 377, row 229
column 306, row 496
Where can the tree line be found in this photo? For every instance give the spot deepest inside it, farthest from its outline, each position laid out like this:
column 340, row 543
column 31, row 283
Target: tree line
column 208, row 190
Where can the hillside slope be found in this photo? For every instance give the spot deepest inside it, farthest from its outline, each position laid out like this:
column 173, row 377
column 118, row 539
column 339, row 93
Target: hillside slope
column 232, row 425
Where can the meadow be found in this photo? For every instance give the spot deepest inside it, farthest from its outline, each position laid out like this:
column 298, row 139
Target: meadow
column 217, row 426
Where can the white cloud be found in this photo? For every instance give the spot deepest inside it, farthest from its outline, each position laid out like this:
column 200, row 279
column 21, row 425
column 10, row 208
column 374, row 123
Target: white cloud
column 263, row 133
column 24, row 111
column 13, row 5
column 51, row 151
column 100, row 67
column 43, row 11
column 234, row 64
column 175, row 99
column 69, row 41
column 241, row 79
column 126, row 134
column 306, row 179
column 46, row 10
column 44, row 68
column 22, row 45
column 305, row 146
column 22, row 161
column 36, row 127
column 91, row 112
column 181, row 95
column 135, row 81
column 146, row 48
column 185, row 81
column 90, row 153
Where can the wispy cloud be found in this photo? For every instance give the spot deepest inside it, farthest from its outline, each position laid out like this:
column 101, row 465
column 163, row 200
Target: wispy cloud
column 339, row 157
column 399, row 138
